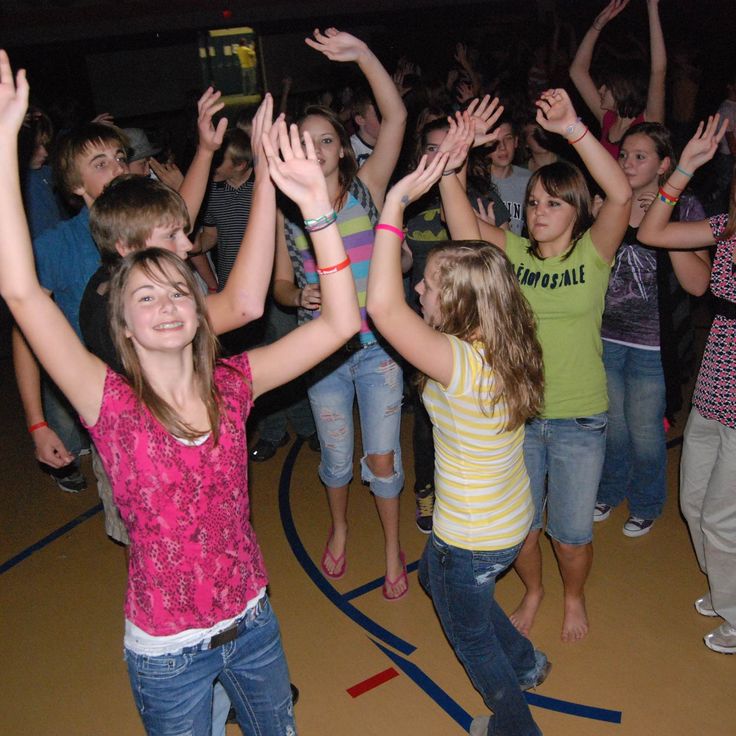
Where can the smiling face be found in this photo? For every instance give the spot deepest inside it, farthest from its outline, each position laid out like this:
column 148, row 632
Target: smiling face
column 549, row 218
column 159, row 312
column 639, row 160
column 326, row 143
column 429, row 293
column 97, row 166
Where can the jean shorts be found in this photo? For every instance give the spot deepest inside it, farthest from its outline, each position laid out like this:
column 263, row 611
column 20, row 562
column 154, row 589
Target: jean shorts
column 568, row 454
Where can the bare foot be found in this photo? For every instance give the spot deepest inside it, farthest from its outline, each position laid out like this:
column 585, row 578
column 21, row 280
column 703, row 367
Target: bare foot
column 575, row 623
column 523, row 616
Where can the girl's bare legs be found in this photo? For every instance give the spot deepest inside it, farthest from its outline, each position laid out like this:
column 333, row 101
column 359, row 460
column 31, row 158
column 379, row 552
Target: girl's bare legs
column 528, row 566
column 337, row 499
column 382, row 466
column 575, row 561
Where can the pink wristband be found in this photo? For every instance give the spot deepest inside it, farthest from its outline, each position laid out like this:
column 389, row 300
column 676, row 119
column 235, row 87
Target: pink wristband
column 392, row 229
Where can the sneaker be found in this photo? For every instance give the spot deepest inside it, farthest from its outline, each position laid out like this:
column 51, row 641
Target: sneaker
column 425, row 506
column 722, row 639
column 72, row 483
column 635, row 526
column 704, row 606
column 601, row 511
column 265, row 450
column 479, row 726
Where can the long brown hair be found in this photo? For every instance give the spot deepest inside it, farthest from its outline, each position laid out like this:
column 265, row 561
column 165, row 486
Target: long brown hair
column 348, row 165
column 152, row 262
column 566, row 182
column 480, row 301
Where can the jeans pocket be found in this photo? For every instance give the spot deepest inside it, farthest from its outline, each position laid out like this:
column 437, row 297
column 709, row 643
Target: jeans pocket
column 160, row 668
column 594, row 423
column 487, row 566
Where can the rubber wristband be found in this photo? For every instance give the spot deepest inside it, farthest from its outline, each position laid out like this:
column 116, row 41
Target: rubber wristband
column 682, row 171
column 334, row 269
column 39, row 425
column 450, row 172
column 667, row 198
column 577, row 140
column 397, row 231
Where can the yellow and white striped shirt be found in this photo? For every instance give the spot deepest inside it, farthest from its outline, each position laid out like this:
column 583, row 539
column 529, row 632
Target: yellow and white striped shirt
column 482, row 496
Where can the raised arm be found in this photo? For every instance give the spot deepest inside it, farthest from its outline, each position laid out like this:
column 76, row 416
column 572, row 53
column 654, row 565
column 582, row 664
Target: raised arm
column 580, row 67
column 556, row 114
column 243, row 297
column 299, row 176
column 692, row 269
column 194, row 186
column 416, row 340
column 78, row 374
column 654, row 112
column 656, row 229
column 377, row 170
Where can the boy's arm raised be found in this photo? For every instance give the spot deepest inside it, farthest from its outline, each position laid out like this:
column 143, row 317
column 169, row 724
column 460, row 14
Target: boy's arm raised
column 301, row 179
column 78, row 374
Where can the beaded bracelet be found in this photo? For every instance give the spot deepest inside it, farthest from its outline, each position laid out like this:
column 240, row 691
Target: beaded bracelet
column 320, row 223
column 39, row 425
column 334, row 269
column 667, row 198
column 397, row 231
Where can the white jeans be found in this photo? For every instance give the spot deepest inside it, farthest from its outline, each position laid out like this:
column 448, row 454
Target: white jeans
column 708, row 503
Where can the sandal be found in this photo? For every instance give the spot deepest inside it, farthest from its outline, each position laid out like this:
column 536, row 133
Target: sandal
column 388, row 583
column 339, row 564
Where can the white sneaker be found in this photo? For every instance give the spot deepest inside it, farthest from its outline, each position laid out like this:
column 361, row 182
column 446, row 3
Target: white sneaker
column 704, row 606
column 635, row 526
column 722, row 639
column 601, row 511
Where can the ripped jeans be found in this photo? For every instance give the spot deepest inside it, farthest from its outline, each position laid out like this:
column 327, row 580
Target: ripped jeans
column 498, row 659
column 375, row 378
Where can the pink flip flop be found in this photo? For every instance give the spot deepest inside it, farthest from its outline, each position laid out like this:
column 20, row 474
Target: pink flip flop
column 388, row 583
column 339, row 564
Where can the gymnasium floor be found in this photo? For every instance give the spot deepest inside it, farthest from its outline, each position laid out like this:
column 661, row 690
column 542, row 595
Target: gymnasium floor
column 364, row 666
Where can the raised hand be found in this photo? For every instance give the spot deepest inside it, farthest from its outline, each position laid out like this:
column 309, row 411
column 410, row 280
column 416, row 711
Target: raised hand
column 486, row 212
column 337, row 45
column 170, row 174
column 465, row 92
column 555, row 112
column 609, row 13
column 461, row 56
column 263, row 124
column 420, row 181
column 485, row 113
column 703, row 145
column 458, row 140
column 297, row 174
column 104, row 118
column 210, row 137
column 13, row 99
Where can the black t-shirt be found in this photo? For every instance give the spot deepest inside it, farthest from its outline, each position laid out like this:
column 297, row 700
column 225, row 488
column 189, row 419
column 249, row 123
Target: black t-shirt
column 94, row 322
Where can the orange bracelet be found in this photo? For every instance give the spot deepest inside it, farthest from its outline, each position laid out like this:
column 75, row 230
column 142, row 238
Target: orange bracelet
column 334, row 269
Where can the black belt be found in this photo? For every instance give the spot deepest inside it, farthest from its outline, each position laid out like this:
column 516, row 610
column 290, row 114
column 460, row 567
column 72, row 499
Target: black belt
column 725, row 309
column 354, row 345
column 231, row 632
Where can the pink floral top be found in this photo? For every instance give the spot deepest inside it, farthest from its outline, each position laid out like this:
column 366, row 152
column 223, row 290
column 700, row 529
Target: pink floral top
column 715, row 391
column 194, row 558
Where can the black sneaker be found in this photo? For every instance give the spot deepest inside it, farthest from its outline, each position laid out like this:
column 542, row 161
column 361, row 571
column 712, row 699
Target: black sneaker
column 425, row 506
column 265, row 450
column 74, row 482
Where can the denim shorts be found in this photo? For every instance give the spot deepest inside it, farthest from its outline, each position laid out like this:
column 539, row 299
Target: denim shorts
column 568, row 454
column 374, row 377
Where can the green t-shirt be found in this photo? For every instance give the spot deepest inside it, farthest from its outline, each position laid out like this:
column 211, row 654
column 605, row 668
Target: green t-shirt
column 567, row 296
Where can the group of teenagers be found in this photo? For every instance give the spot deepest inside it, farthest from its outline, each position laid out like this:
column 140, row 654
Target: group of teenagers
column 509, row 361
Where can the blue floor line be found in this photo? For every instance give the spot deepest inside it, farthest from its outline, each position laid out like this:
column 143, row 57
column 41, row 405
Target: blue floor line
column 60, row 532
column 431, row 688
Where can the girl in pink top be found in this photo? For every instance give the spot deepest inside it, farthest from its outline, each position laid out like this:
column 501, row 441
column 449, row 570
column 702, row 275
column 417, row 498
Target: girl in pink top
column 621, row 100
column 171, row 437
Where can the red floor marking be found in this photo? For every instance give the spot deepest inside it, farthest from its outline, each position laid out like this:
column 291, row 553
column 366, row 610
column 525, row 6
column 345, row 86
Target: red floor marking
column 371, row 682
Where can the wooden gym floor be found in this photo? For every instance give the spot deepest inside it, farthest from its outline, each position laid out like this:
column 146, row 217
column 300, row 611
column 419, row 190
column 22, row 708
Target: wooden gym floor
column 364, row 667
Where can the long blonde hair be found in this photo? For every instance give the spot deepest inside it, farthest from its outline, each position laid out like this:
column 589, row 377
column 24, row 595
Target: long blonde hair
column 152, row 262
column 480, row 301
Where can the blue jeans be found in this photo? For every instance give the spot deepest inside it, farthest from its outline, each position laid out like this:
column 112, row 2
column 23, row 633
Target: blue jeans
column 375, row 378
column 63, row 419
column 173, row 693
column 568, row 454
column 636, row 450
column 498, row 659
